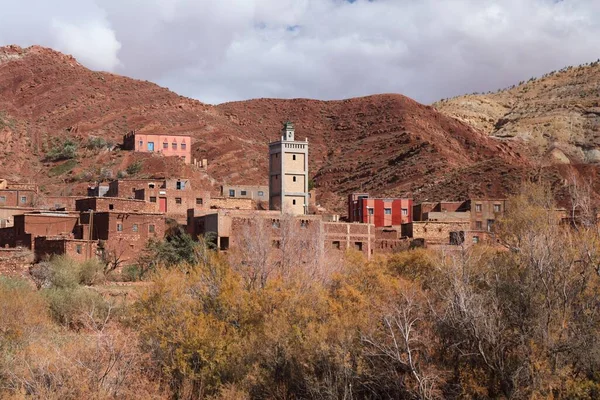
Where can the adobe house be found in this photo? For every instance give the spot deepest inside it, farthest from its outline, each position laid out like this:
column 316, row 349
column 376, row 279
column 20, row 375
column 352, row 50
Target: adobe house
column 167, row 145
column 484, row 213
column 29, row 226
column 382, row 212
column 100, row 204
column 227, row 226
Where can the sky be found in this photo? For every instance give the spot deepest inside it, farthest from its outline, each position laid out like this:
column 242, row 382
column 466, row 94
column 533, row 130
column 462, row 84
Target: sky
column 226, row 50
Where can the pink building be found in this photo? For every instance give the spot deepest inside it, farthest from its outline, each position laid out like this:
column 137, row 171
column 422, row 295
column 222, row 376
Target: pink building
column 379, row 212
column 167, row 145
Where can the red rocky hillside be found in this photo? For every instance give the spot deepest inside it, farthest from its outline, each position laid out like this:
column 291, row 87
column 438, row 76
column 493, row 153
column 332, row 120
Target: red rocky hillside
column 386, row 144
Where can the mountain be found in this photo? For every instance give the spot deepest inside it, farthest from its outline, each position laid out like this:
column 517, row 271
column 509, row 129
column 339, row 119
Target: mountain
column 387, row 145
column 557, row 116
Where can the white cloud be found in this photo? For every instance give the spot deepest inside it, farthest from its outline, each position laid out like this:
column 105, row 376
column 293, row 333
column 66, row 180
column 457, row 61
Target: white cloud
column 221, row 50
column 94, row 44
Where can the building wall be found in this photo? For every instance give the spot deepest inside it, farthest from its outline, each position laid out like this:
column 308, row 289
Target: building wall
column 177, row 202
column 438, row 232
column 363, row 209
column 7, row 215
column 297, row 186
column 294, row 204
column 231, row 203
column 58, row 202
column 17, row 198
column 167, row 145
column 483, row 210
column 101, row 204
column 258, row 193
column 79, row 250
column 126, row 234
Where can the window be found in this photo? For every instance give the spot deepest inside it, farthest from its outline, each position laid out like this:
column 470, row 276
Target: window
column 150, row 146
column 387, row 211
column 231, row 193
column 276, row 223
column 358, row 246
column 151, row 228
column 294, row 202
column 497, row 208
column 174, row 146
column 178, row 185
column 371, row 211
column 177, row 200
column 134, row 228
column 78, row 249
column 475, row 239
column 405, row 211
column 276, row 244
column 119, row 227
column 243, row 193
column 478, row 225
column 336, row 244
column 151, row 185
column 261, row 193
column 294, row 157
column 141, row 144
column 2, row 199
column 111, row 206
column 303, row 223
column 224, row 243
column 23, row 199
column 165, row 145
column 183, row 146
column 478, row 207
column 152, row 199
column 294, row 179
column 199, row 201
column 490, row 225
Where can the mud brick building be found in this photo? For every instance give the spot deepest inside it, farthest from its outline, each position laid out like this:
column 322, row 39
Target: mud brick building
column 167, row 145
column 29, row 226
column 7, row 215
column 228, row 226
column 77, row 249
column 123, row 234
column 379, row 211
column 100, row 204
column 18, row 197
column 66, row 203
column 484, row 213
column 421, row 210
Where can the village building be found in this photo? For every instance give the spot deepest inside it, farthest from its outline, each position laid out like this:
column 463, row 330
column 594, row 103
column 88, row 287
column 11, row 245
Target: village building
column 288, row 173
column 484, row 213
column 28, row 226
column 226, row 227
column 381, row 212
column 167, row 145
column 256, row 193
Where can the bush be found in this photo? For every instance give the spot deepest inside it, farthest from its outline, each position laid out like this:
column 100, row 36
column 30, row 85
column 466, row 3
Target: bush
column 62, row 168
column 62, row 150
column 134, row 167
column 77, row 307
column 98, row 143
column 131, row 273
column 91, row 272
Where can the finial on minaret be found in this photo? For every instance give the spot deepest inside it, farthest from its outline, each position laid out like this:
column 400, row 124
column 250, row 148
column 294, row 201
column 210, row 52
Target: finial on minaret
column 287, row 133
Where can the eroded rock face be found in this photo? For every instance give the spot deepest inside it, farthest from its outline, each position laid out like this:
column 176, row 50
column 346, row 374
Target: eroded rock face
column 559, row 109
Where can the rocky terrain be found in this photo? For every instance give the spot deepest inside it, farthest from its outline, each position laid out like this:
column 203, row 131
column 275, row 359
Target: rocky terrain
column 557, row 116
column 387, row 145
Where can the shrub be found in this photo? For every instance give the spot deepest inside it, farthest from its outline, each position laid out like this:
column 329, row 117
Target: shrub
column 134, row 167
column 62, row 150
column 98, row 143
column 131, row 273
column 91, row 272
column 62, row 168
column 78, row 308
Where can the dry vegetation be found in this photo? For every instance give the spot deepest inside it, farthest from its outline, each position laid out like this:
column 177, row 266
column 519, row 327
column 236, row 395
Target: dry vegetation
column 521, row 322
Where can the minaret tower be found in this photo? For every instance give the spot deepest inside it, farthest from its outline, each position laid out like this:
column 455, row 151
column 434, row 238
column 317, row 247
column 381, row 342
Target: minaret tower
column 288, row 173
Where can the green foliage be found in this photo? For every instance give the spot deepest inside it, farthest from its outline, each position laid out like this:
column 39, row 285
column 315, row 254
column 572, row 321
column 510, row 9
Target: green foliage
column 65, row 149
column 134, row 167
column 98, row 143
column 77, row 307
column 62, row 168
column 311, row 184
column 131, row 273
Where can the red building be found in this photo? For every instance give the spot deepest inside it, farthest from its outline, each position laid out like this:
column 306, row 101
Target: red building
column 378, row 211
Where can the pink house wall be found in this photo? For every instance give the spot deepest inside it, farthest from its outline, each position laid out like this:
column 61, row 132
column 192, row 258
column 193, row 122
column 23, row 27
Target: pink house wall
column 168, row 145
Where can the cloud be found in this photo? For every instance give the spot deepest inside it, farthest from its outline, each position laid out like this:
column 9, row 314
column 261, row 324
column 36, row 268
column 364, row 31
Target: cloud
column 223, row 50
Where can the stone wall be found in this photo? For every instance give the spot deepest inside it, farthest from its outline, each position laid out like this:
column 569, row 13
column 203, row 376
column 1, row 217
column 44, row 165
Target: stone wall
column 15, row 262
column 438, row 232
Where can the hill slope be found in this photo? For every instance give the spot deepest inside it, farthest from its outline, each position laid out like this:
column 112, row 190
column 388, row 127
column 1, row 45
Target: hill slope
column 386, row 144
column 557, row 115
